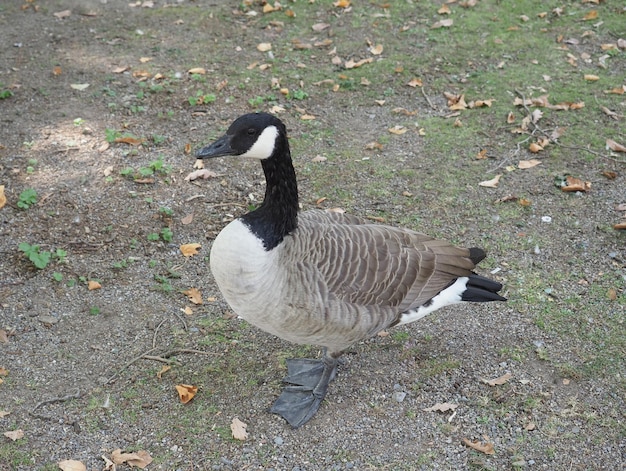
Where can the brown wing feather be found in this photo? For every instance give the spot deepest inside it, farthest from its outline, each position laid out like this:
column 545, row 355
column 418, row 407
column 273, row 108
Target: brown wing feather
column 371, row 264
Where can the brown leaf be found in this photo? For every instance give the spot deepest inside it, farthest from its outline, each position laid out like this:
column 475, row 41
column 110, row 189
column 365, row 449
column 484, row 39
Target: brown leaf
column 342, row 3
column 71, row 465
column 510, row 118
column 377, row 50
column 3, row 199
column 197, row 71
column 63, row 14
column 575, row 184
column 525, row 164
column 415, row 82
column 498, row 381
column 591, row 77
column 4, row 413
column 441, row 407
column 93, row 285
column 201, row 173
column 493, row 183
column 374, row 145
column 487, row 448
column 610, row 113
column 238, row 429
column 534, row 147
column 164, row 369
column 482, row 154
column 614, row 146
column 620, row 226
column 194, row 295
column 320, row 27
column 353, row 65
column 4, row 336
column 187, row 219
column 264, row 47
column 443, row 23
column 133, row 141
column 609, row 174
column 444, row 10
column 398, row 130
column 14, row 434
column 186, row 392
column 590, row 15
column 189, row 250
column 612, row 294
column 141, row 458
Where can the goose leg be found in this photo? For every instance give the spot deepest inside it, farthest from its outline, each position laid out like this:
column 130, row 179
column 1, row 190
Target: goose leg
column 308, row 383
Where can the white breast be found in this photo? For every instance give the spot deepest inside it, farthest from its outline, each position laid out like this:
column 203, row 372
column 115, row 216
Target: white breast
column 245, row 273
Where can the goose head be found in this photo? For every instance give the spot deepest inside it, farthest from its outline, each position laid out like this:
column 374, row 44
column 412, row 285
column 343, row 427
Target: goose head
column 253, row 135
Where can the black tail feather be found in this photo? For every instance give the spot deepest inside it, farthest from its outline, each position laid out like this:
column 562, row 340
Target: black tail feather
column 481, row 289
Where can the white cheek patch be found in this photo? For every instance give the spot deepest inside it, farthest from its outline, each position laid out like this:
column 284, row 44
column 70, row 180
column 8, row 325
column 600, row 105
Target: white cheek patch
column 263, row 148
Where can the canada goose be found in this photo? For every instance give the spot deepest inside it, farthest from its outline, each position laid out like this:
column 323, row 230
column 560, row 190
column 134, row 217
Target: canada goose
column 325, row 278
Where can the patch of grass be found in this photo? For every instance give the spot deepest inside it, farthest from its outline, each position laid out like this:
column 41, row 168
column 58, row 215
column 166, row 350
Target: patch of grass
column 39, row 258
column 27, row 198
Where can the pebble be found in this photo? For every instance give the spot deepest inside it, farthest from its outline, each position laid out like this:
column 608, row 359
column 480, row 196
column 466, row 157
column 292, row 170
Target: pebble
column 399, row 396
column 278, row 441
column 546, row 219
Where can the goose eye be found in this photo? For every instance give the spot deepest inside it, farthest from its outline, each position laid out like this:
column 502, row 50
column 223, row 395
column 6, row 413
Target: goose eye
column 251, row 131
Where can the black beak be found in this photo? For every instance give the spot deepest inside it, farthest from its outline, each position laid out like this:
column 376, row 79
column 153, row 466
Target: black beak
column 219, row 148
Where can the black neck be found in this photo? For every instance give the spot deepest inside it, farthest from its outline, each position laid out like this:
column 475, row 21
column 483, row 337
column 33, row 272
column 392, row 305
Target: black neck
column 278, row 214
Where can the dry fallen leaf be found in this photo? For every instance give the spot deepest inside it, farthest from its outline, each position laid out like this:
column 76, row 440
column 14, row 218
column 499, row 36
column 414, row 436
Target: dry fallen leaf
column 373, row 145
column 4, row 413
column 493, row 183
column 194, row 295
column 189, row 250
column 3, row 199
column 525, row 164
column 590, row 15
column 79, row 86
column 320, row 27
column 498, row 381
column 441, row 407
column 443, row 24
column 591, row 77
column 164, row 369
column 63, row 14
column 187, row 219
column 353, row 65
column 342, row 3
column 93, row 285
column 377, row 49
column 140, row 458
column 186, row 392
column 71, row 465
column 487, row 448
column 534, row 147
column 197, row 71
column 575, row 184
column 238, row 428
column 14, row 434
column 201, row 173
column 264, row 47
column 133, row 141
column 398, row 130
column 416, row 82
column 615, row 146
column 4, row 336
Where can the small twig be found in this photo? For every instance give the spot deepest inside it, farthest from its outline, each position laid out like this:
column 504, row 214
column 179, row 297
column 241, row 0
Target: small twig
column 75, row 395
column 156, row 331
column 134, row 360
column 427, row 99
column 185, row 350
column 181, row 320
column 158, row 358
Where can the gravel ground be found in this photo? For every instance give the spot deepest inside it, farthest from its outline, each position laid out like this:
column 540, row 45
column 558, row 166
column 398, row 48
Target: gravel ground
column 82, row 364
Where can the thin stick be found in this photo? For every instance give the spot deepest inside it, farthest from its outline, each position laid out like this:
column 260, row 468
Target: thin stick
column 427, row 99
column 75, row 395
column 134, row 360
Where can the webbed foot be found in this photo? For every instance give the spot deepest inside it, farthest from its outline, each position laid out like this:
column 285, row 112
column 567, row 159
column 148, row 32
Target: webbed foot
column 308, row 382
